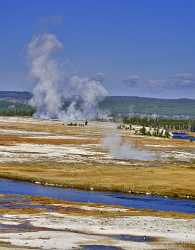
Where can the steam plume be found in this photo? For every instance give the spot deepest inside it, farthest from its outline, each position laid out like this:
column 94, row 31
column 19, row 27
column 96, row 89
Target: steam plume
column 125, row 151
column 52, row 89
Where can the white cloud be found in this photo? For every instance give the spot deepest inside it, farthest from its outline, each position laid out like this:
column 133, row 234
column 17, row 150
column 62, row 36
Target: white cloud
column 184, row 79
column 132, row 80
column 179, row 80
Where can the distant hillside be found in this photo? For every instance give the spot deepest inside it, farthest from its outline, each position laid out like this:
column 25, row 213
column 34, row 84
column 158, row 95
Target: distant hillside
column 15, row 96
column 13, row 103
column 124, row 105
column 115, row 105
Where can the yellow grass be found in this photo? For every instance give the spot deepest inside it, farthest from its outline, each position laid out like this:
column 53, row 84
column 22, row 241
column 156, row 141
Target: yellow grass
column 175, row 181
column 9, row 246
column 10, row 140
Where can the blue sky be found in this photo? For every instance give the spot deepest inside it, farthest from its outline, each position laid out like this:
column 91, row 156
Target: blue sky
column 143, row 47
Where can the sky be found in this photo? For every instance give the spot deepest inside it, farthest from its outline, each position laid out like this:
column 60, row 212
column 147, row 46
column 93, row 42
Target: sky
column 140, row 47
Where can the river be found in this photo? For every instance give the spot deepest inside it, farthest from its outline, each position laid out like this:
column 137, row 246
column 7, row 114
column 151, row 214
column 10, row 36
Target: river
column 110, row 198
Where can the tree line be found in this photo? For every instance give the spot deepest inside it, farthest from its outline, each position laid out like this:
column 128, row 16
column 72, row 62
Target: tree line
column 164, row 123
column 18, row 111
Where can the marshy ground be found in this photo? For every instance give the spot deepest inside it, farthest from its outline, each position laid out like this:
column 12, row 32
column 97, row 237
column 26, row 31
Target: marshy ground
column 52, row 153
column 42, row 223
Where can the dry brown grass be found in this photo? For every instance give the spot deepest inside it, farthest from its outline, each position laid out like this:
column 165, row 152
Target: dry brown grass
column 49, row 127
column 11, row 140
column 21, row 211
column 185, row 246
column 170, row 180
column 9, row 246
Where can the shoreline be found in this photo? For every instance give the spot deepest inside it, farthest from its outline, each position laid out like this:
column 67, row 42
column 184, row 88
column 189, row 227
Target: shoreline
column 92, row 189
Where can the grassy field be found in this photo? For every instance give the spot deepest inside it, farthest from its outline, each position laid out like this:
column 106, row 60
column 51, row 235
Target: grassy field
column 166, row 180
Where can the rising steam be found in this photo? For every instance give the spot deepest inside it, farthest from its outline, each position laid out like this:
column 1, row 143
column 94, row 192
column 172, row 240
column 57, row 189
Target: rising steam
column 125, row 151
column 53, row 90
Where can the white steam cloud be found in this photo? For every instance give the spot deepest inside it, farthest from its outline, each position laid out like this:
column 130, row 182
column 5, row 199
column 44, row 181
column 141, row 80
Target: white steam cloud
column 124, row 151
column 53, row 90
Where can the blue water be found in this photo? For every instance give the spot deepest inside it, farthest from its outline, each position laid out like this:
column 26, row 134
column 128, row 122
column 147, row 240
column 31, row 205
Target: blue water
column 127, row 200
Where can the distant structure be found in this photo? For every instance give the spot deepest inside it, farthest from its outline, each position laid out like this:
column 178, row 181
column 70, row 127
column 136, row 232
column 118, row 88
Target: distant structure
column 79, row 124
column 180, row 135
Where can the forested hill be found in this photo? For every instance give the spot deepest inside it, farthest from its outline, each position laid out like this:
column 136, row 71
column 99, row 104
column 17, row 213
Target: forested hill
column 12, row 102
column 15, row 96
column 140, row 105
